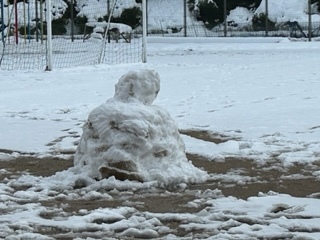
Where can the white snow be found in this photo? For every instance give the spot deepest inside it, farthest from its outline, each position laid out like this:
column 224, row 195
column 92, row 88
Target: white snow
column 129, row 131
column 279, row 12
column 240, row 15
column 263, row 95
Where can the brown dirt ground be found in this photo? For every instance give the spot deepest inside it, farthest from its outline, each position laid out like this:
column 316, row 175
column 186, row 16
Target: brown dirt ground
column 262, row 178
column 265, row 178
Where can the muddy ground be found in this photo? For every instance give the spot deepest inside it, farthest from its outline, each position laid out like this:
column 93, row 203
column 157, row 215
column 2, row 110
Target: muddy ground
column 236, row 177
column 261, row 178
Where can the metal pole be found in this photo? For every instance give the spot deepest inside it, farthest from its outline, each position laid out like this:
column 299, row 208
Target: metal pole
column 16, row 20
column 309, row 18
column 267, row 19
column 2, row 21
column 72, row 21
column 108, row 9
column 103, row 48
column 37, row 20
column 225, row 17
column 41, row 21
column 144, row 31
column 185, row 17
column 147, row 18
column 29, row 19
column 24, row 22
column 49, row 37
column 8, row 23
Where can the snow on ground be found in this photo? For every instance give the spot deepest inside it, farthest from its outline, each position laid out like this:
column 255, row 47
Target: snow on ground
column 262, row 95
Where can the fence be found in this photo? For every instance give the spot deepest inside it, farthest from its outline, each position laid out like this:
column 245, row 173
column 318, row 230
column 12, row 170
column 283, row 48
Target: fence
column 292, row 29
column 39, row 34
column 183, row 22
column 74, row 34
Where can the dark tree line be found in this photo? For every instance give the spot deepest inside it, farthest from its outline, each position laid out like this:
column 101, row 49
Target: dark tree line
column 212, row 12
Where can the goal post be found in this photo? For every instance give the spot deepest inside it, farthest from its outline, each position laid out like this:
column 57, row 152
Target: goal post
column 144, row 31
column 49, row 36
column 106, row 31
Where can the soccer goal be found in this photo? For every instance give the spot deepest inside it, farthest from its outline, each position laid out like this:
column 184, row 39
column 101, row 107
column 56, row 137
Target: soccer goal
column 46, row 34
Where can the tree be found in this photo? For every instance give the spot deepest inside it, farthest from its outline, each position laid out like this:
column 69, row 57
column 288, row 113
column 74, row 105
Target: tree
column 211, row 11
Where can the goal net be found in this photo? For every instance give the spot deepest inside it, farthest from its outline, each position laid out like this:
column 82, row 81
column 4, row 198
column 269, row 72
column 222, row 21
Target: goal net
column 83, row 32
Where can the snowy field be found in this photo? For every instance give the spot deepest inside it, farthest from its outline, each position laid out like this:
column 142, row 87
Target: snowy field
column 261, row 97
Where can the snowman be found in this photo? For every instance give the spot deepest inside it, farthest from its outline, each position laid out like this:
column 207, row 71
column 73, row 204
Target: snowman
column 129, row 138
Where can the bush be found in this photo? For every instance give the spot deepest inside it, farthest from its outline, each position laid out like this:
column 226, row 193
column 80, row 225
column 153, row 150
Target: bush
column 59, row 26
column 129, row 16
column 259, row 23
column 80, row 23
column 32, row 30
column 212, row 12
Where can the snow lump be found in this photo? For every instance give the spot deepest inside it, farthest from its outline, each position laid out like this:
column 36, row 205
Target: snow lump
column 129, row 138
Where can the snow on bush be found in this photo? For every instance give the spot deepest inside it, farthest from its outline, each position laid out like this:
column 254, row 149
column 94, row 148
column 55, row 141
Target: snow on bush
column 280, row 11
column 129, row 138
column 240, row 15
column 95, row 9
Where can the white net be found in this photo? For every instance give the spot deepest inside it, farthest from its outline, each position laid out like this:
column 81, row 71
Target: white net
column 81, row 33
column 23, row 43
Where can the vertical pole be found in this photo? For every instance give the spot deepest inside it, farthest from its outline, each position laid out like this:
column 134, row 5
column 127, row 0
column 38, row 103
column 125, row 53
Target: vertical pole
column 8, row 23
column 225, row 17
column 109, row 17
column 37, row 20
column 24, row 22
column 16, row 20
column 108, row 7
column 185, row 17
column 72, row 20
column 144, row 31
column 41, row 20
column 147, row 18
column 103, row 48
column 2, row 21
column 309, row 20
column 267, row 19
column 29, row 20
column 49, row 37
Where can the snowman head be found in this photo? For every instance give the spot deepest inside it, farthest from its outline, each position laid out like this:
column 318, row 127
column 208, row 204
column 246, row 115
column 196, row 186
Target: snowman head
column 138, row 86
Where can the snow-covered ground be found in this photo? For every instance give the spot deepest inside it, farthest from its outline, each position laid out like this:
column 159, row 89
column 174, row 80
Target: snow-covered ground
column 263, row 96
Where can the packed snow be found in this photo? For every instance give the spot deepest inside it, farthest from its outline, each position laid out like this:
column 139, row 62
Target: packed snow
column 130, row 138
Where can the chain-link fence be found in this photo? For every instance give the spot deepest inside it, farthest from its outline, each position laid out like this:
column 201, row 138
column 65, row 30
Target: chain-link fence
column 82, row 33
column 293, row 29
column 180, row 21
column 87, row 32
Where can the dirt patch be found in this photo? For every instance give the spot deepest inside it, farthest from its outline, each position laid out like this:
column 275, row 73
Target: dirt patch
column 236, row 177
column 297, row 180
column 35, row 166
column 240, row 178
column 248, row 179
column 208, row 136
